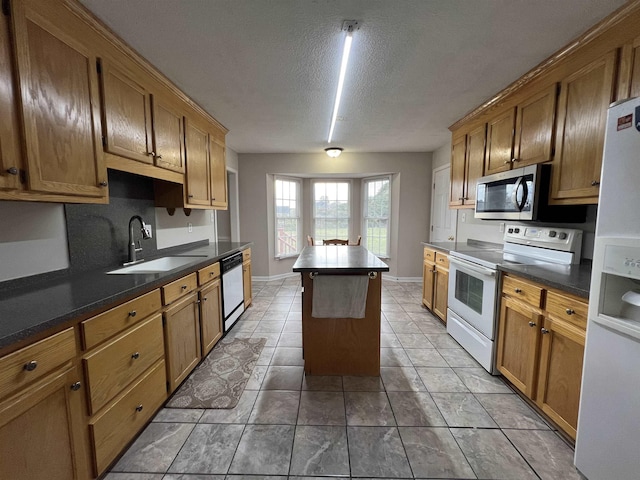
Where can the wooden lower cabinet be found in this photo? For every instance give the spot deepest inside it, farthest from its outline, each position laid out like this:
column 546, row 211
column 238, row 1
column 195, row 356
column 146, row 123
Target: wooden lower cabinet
column 246, row 276
column 541, row 347
column 182, row 339
column 435, row 282
column 210, row 315
column 43, row 433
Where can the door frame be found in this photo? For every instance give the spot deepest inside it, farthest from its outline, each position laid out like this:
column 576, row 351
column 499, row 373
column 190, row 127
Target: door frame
column 454, row 214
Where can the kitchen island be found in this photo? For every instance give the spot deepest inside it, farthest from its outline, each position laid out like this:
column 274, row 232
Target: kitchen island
column 336, row 338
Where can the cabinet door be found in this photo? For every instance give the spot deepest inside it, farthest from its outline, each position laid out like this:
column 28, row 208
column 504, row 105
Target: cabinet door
column 518, row 338
column 60, row 100
column 168, row 135
column 534, row 128
column 474, row 165
column 10, row 157
column 246, row 283
column 582, row 113
column 218, row 174
column 500, row 131
column 210, row 316
column 182, row 339
column 458, row 158
column 561, row 373
column 42, row 430
column 428, row 278
column 197, row 165
column 629, row 77
column 126, row 108
column 440, row 292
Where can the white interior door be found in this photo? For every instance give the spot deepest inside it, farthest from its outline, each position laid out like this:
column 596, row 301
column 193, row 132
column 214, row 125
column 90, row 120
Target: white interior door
column 443, row 219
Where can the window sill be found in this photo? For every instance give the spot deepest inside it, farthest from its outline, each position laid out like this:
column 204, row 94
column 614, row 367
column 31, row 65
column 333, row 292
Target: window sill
column 284, row 257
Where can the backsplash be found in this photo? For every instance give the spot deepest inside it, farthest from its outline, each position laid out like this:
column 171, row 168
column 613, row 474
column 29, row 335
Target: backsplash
column 98, row 234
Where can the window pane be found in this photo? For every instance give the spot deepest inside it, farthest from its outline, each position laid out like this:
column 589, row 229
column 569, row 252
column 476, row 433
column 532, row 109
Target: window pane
column 377, row 210
column 331, row 210
column 287, row 234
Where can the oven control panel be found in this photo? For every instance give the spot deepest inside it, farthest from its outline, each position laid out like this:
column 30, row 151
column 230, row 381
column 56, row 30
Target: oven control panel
column 556, row 238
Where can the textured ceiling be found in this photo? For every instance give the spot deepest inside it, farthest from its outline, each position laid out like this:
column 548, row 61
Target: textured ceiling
column 268, row 70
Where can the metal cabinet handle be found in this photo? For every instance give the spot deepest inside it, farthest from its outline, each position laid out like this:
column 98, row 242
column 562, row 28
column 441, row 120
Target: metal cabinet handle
column 30, row 366
column 158, row 157
column 595, row 183
column 513, row 160
column 133, row 313
column 103, row 184
column 204, row 299
column 569, row 311
column 151, row 154
column 507, row 161
column 517, row 290
column 135, row 355
column 139, row 408
column 211, row 274
column 184, row 287
column 76, row 386
column 544, row 331
column 190, row 196
column 12, row 171
column 532, row 324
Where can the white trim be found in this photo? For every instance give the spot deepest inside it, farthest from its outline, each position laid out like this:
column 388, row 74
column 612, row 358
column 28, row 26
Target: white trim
column 300, row 205
column 386, row 276
column 280, row 276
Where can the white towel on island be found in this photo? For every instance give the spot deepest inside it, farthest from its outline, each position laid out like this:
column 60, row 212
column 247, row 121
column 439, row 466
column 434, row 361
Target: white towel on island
column 339, row 296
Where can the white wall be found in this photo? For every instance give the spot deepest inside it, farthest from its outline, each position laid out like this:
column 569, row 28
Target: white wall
column 33, row 239
column 411, row 197
column 442, row 156
column 173, row 230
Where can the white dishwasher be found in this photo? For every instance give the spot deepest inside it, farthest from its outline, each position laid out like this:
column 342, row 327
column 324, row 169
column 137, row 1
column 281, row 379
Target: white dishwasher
column 232, row 289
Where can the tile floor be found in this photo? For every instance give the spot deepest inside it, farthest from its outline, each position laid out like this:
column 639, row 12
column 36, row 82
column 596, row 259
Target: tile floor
column 433, row 413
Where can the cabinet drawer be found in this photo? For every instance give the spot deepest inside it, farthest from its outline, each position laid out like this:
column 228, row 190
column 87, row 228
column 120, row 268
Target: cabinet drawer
column 181, row 287
column 119, row 423
column 30, row 363
column 246, row 255
column 567, row 308
column 429, row 255
column 207, row 274
column 442, row 260
column 111, row 322
column 112, row 367
column 525, row 291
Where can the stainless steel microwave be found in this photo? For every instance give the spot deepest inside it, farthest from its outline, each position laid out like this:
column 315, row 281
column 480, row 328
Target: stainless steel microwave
column 522, row 194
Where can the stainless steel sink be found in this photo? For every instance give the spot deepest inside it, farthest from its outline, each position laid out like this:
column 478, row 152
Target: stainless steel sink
column 163, row 264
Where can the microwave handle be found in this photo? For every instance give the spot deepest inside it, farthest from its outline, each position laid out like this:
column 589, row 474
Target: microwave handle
column 525, row 193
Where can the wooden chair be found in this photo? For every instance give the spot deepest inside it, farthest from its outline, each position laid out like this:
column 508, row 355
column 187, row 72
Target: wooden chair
column 335, row 241
column 357, row 242
column 310, row 240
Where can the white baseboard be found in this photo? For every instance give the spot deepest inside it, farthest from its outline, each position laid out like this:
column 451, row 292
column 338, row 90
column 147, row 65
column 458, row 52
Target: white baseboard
column 402, row 279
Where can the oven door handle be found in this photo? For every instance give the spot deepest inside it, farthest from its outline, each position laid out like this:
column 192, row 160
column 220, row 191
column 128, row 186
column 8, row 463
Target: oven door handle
column 472, row 266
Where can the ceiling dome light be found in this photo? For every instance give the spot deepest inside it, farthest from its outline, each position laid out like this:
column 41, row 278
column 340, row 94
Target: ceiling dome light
column 333, row 152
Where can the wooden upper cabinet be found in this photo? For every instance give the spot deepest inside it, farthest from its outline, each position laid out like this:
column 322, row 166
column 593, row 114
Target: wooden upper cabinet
column 534, row 128
column 582, row 114
column 168, row 135
column 629, row 73
column 126, row 107
column 197, row 154
column 10, row 156
column 218, row 174
column 474, row 167
column 60, row 100
column 500, row 132
column 458, row 160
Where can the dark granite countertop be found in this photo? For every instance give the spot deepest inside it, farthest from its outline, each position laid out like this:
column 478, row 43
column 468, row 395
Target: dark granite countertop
column 574, row 279
column 338, row 259
column 35, row 308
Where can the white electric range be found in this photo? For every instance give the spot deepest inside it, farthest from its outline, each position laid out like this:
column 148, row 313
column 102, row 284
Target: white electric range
column 474, row 282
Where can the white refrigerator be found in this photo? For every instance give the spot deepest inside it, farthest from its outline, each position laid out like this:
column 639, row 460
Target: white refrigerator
column 608, row 437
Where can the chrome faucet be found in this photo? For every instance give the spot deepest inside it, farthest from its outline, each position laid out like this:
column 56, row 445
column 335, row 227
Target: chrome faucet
column 133, row 249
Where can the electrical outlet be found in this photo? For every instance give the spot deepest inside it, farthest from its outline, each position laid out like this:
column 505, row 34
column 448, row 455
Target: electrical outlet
column 501, row 227
column 463, row 218
column 148, row 230
column 190, row 227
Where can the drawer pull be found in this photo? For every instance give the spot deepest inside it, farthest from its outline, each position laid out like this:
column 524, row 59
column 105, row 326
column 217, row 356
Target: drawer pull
column 544, row 331
column 103, row 184
column 532, row 324
column 211, row 274
column 517, row 290
column 133, row 313
column 135, row 355
column 595, row 183
column 12, row 171
column 569, row 311
column 76, row 386
column 139, row 408
column 184, row 287
column 31, row 366
column 204, row 299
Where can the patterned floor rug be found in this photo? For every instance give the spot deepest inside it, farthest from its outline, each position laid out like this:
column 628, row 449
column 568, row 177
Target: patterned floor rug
column 220, row 379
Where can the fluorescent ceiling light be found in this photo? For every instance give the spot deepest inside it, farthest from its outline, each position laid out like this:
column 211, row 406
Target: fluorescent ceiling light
column 349, row 26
